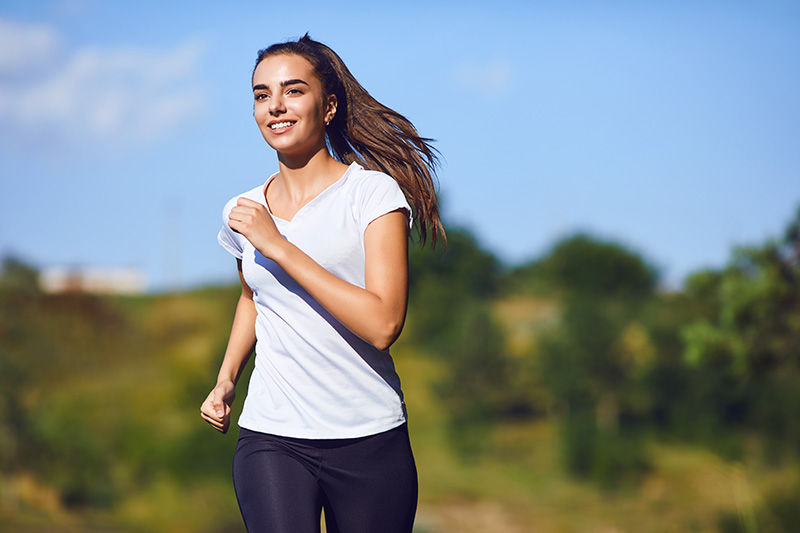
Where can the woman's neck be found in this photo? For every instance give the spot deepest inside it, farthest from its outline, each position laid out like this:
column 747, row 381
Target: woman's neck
column 299, row 180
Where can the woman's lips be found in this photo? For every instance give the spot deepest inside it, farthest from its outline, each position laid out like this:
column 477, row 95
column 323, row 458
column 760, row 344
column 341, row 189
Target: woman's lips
column 281, row 126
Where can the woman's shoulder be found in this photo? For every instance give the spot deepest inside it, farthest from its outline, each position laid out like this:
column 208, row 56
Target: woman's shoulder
column 374, row 193
column 362, row 180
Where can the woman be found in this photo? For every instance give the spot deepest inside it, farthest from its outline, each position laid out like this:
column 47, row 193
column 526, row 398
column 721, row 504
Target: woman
column 321, row 249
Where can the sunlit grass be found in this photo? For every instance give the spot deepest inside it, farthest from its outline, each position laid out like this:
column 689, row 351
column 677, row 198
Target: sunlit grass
column 138, row 406
column 519, row 484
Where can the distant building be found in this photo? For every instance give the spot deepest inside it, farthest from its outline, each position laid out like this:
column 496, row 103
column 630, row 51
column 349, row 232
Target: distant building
column 95, row 280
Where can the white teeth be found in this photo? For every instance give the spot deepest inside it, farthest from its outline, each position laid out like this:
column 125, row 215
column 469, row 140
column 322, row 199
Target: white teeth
column 279, row 125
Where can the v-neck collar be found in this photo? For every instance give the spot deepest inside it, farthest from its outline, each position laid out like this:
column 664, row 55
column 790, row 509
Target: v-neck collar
column 324, row 192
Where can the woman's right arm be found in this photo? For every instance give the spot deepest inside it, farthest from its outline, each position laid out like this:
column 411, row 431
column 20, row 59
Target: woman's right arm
column 216, row 409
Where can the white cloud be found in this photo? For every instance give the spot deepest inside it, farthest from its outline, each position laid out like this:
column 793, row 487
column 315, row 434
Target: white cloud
column 23, row 48
column 496, row 76
column 95, row 98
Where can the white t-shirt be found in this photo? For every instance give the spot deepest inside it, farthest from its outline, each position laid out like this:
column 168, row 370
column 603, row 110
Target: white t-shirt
column 313, row 377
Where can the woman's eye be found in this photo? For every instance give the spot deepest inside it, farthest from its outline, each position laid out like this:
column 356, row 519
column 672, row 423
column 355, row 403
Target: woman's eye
column 294, row 91
column 261, row 96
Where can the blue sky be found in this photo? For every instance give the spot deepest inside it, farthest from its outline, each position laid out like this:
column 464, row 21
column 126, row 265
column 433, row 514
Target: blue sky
column 671, row 127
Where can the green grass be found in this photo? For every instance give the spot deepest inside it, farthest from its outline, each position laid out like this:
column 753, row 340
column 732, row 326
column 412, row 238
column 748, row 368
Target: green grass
column 519, row 484
column 136, row 409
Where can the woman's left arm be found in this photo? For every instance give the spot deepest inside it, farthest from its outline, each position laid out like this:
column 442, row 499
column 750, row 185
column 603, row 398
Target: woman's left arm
column 375, row 313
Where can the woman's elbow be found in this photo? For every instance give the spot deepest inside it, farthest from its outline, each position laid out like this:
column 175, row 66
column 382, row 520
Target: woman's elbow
column 387, row 334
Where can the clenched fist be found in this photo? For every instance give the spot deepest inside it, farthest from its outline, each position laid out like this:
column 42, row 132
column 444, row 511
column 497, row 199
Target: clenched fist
column 216, row 409
column 253, row 220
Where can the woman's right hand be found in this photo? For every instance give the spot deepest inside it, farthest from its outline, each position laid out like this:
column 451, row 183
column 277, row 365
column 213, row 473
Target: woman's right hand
column 216, row 409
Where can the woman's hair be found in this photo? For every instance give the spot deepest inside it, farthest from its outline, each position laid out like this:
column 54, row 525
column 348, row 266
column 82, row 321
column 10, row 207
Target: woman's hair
column 367, row 132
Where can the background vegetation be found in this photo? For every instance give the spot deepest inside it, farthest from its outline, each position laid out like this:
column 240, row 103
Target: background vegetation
column 572, row 393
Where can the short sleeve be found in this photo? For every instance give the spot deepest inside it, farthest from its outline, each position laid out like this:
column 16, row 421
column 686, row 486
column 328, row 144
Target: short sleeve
column 227, row 238
column 380, row 194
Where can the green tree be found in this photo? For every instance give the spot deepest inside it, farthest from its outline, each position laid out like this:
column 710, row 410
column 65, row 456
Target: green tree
column 584, row 265
column 443, row 283
column 750, row 338
column 475, row 389
column 592, row 362
column 19, row 298
column 450, row 318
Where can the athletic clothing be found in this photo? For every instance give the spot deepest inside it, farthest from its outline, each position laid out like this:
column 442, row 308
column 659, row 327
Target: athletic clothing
column 323, row 423
column 366, row 484
column 314, row 378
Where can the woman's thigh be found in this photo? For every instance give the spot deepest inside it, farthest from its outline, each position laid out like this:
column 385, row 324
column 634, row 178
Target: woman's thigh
column 276, row 486
column 371, row 484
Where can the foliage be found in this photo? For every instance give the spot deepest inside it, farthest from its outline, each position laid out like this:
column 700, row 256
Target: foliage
column 586, row 266
column 18, row 276
column 43, row 340
column 450, row 299
column 99, row 395
column 593, row 363
column 443, row 283
column 88, row 403
column 475, row 389
column 748, row 344
column 779, row 514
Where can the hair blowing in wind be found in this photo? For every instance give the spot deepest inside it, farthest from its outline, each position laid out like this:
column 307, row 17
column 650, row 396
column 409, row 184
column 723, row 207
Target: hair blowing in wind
column 369, row 133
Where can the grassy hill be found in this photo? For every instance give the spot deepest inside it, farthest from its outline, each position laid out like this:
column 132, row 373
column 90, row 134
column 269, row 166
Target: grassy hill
column 101, row 432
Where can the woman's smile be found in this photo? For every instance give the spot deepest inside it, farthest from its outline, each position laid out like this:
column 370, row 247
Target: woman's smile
column 289, row 105
column 282, row 126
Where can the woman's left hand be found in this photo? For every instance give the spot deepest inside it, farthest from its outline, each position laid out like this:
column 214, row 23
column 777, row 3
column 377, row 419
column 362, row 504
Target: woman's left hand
column 253, row 220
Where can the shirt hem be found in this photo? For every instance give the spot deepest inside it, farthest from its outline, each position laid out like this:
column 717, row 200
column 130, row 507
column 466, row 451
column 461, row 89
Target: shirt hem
column 322, row 435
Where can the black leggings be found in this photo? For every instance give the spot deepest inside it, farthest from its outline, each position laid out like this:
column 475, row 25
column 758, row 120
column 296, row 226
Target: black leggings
column 366, row 484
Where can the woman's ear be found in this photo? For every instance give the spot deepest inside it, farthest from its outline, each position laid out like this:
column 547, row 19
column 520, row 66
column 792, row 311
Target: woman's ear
column 330, row 111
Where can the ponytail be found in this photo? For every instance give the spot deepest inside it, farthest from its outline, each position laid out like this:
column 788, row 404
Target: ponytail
column 367, row 132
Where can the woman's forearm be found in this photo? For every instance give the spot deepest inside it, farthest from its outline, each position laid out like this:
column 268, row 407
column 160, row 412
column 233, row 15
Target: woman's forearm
column 216, row 409
column 241, row 341
column 243, row 334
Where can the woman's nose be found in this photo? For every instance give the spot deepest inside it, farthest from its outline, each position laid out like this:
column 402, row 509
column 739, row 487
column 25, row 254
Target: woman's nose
column 276, row 105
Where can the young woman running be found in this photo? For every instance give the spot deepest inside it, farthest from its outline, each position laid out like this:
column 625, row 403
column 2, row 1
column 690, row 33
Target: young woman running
column 321, row 249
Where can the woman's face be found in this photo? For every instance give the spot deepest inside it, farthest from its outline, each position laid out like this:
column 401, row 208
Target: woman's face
column 290, row 108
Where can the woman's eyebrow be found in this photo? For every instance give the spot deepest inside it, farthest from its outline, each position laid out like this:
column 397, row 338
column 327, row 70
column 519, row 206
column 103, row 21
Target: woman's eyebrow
column 262, row 87
column 292, row 82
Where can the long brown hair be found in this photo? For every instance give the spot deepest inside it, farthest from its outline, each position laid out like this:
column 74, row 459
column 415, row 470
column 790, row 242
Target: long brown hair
column 369, row 133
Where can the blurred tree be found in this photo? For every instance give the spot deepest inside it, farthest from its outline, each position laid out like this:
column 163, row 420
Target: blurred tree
column 19, row 296
column 476, row 386
column 581, row 264
column 450, row 317
column 443, row 282
column 45, row 340
column 17, row 275
column 592, row 363
column 748, row 344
